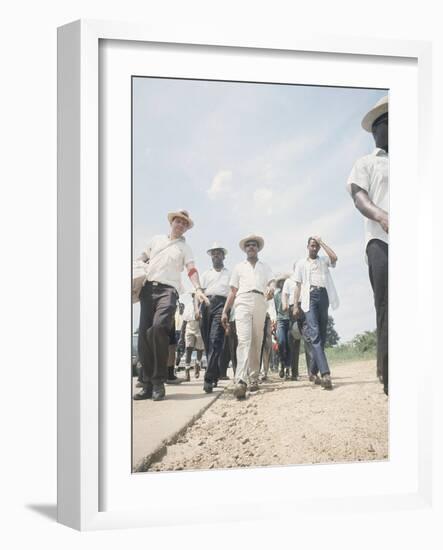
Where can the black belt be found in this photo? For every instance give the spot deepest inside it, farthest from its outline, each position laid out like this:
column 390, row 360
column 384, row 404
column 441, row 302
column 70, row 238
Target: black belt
column 162, row 285
column 210, row 296
column 256, row 292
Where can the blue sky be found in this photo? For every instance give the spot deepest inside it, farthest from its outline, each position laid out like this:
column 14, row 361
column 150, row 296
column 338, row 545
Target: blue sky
column 264, row 158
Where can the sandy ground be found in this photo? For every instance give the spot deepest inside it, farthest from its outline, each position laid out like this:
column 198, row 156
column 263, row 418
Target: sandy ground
column 289, row 422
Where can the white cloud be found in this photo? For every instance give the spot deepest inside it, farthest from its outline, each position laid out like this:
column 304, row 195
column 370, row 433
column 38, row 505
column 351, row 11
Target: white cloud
column 221, row 184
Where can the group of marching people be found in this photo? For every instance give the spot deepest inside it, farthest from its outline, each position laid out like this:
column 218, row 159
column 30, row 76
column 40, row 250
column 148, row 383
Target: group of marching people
column 301, row 299
column 221, row 299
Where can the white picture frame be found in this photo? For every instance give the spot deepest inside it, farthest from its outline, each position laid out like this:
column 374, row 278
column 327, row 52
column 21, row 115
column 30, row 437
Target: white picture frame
column 79, row 271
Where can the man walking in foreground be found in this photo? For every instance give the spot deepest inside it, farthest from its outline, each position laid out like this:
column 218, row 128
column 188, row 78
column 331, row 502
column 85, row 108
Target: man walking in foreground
column 215, row 283
column 252, row 283
column 315, row 284
column 165, row 258
column 368, row 185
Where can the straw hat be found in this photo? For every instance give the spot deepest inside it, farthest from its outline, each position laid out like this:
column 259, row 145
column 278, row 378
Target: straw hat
column 183, row 214
column 380, row 108
column 259, row 240
column 216, row 246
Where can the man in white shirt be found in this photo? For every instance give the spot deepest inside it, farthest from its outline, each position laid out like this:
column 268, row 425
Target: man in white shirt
column 315, row 286
column 165, row 258
column 215, row 283
column 368, row 184
column 252, row 283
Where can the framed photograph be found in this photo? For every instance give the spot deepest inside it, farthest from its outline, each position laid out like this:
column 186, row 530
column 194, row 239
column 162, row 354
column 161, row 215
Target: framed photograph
column 240, row 140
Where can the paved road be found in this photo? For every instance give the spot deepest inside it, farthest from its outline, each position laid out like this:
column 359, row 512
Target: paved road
column 155, row 423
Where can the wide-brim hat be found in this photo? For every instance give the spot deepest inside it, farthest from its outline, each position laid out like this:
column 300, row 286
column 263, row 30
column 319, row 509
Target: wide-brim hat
column 380, row 108
column 216, row 246
column 259, row 240
column 183, row 214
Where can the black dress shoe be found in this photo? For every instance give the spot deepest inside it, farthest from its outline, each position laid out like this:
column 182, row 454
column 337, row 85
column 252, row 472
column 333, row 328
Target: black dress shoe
column 174, row 380
column 207, row 386
column 146, row 393
column 158, row 392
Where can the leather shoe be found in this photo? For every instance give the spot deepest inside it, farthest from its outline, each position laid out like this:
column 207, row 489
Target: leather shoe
column 207, row 386
column 326, row 382
column 158, row 392
column 253, row 386
column 174, row 380
column 282, row 373
column 240, row 390
column 146, row 393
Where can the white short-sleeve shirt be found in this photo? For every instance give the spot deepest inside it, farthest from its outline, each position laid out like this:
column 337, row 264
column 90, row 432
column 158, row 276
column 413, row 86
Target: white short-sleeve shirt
column 371, row 173
column 167, row 259
column 246, row 278
column 216, row 283
column 289, row 289
column 303, row 275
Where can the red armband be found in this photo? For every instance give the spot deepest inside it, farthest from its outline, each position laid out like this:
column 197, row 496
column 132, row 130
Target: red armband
column 191, row 272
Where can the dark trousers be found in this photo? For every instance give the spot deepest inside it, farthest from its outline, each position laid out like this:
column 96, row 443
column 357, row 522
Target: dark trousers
column 266, row 346
column 157, row 310
column 225, row 357
column 213, row 335
column 302, row 326
column 378, row 252
column 294, row 351
column 316, row 323
column 229, row 352
column 283, row 326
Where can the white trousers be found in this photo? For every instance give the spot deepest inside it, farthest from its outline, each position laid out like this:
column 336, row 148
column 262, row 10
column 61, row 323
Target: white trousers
column 250, row 313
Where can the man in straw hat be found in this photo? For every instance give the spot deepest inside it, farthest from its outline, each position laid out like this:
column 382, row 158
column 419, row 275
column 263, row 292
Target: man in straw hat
column 215, row 283
column 252, row 283
column 166, row 256
column 368, row 185
column 316, row 288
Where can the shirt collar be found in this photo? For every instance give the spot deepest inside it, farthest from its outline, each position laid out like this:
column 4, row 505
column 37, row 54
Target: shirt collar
column 175, row 240
column 378, row 152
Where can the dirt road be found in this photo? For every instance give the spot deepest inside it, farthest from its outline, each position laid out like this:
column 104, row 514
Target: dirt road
column 289, row 422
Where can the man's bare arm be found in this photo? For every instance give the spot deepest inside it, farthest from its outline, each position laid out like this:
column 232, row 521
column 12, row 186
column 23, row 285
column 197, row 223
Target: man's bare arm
column 364, row 205
column 297, row 291
column 284, row 301
column 195, row 280
column 332, row 255
column 228, row 305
